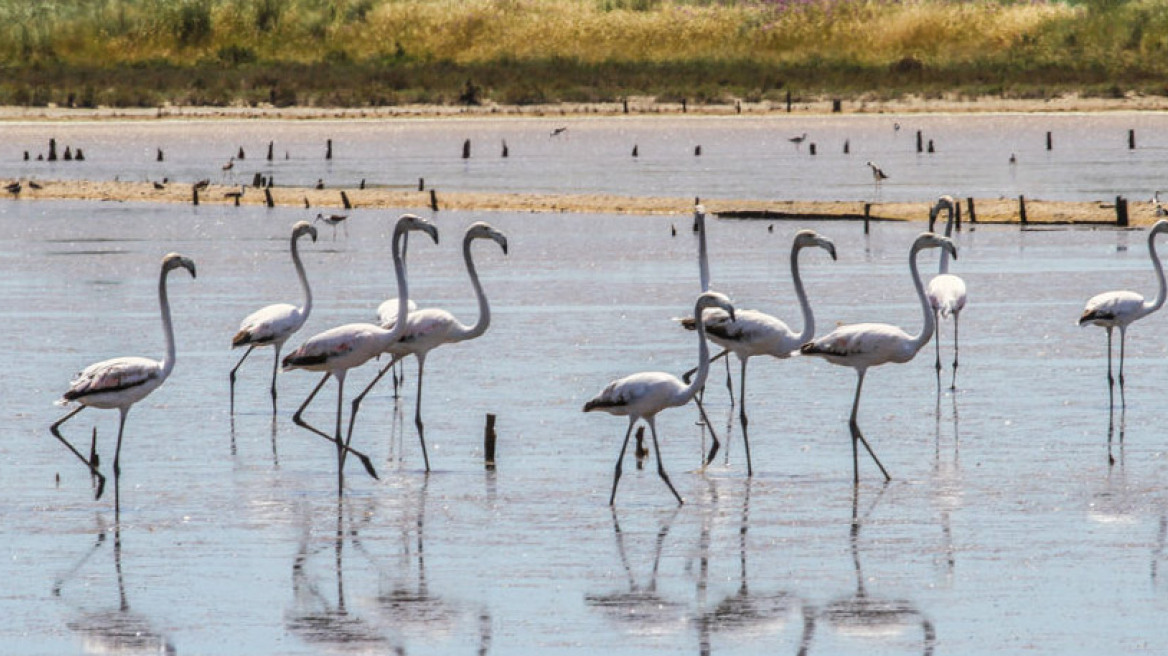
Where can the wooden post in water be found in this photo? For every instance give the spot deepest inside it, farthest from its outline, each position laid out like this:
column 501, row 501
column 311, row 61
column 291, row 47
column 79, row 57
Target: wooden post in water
column 625, row 103
column 788, row 101
column 957, row 216
column 931, row 149
column 920, row 143
column 1131, row 139
column 268, row 198
column 836, row 106
column 489, row 442
column 195, row 194
column 328, row 153
column 1022, row 209
column 466, row 149
column 811, row 148
column 257, row 180
column 867, row 214
column 158, row 159
column 52, row 150
column 1049, row 143
column 421, row 184
column 1121, row 211
column 433, row 200
column 271, row 146
column 847, row 146
column 684, row 106
column 737, row 106
column 345, row 200
column 972, row 213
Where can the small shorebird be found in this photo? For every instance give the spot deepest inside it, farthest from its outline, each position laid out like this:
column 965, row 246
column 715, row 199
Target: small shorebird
column 878, row 174
column 334, row 220
column 798, row 141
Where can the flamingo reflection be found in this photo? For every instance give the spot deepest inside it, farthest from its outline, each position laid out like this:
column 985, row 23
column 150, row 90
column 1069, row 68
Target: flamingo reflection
column 117, row 629
column 867, row 617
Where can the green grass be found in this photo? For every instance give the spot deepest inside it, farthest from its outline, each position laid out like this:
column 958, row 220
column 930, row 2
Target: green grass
column 390, row 52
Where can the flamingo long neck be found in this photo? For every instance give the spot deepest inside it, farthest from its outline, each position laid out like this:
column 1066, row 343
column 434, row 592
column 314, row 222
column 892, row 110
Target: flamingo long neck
column 307, row 308
column 808, row 317
column 923, row 337
column 403, row 290
column 948, row 233
column 699, row 380
column 703, row 256
column 484, row 320
column 1162, row 292
column 167, row 326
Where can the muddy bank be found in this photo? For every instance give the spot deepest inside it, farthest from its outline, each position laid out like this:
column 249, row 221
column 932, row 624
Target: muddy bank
column 332, row 200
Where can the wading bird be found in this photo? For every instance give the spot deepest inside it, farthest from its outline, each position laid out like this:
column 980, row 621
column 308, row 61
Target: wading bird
column 753, row 333
column 946, row 291
column 798, row 141
column 1118, row 309
column 643, row 395
column 865, row 345
column 878, row 174
column 337, row 350
column 426, row 329
column 274, row 324
column 122, row 382
column 334, row 220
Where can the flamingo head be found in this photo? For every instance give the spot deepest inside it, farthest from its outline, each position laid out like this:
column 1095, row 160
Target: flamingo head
column 805, row 238
column 303, row 228
column 484, row 230
column 1161, row 226
column 943, row 203
column 713, row 299
column 933, row 240
column 407, row 222
column 174, row 260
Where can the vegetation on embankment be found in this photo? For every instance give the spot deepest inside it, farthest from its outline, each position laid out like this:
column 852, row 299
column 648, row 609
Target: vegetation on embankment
column 358, row 53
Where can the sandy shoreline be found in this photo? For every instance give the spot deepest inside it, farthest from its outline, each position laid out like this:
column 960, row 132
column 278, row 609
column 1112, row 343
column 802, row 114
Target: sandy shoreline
column 331, row 201
column 639, row 106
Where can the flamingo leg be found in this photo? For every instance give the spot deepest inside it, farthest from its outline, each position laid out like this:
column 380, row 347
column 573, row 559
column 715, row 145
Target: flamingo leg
column 1110, row 378
column 340, row 445
column 275, row 369
column 742, row 416
column 937, row 343
column 54, row 429
column 729, row 383
column 857, row 436
column 118, row 449
column 299, row 421
column 713, row 436
column 418, row 410
column 1122, row 345
column 619, row 459
column 956, row 327
column 689, row 374
column 231, row 376
column 356, row 403
column 660, row 466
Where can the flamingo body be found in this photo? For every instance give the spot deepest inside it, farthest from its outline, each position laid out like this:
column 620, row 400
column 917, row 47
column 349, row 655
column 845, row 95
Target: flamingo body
column 387, row 311
column 946, row 292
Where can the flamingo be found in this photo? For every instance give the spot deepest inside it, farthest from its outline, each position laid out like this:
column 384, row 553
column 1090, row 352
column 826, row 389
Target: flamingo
column 643, row 395
column 757, row 333
column 946, row 291
column 865, row 345
column 122, row 382
column 1118, row 309
column 274, row 324
column 333, row 220
column 427, row 329
column 337, row 350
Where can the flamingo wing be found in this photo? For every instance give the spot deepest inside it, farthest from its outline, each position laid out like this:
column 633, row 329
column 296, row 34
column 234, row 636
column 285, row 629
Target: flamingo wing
column 115, row 375
column 643, row 394
column 429, row 325
column 863, row 344
column 269, row 324
column 1112, row 308
column 344, row 346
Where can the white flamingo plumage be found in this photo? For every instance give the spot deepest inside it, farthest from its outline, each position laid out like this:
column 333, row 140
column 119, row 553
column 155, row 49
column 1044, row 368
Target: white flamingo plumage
column 337, row 350
column 643, row 395
column 274, row 324
column 426, row 329
column 865, row 345
column 753, row 333
column 1118, row 309
column 122, row 382
column 946, row 291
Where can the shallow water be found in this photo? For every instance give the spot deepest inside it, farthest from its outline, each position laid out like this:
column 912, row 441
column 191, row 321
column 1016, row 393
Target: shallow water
column 742, row 157
column 1004, row 528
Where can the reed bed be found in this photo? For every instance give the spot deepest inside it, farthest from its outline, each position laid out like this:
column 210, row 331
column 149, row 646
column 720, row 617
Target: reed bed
column 386, row 52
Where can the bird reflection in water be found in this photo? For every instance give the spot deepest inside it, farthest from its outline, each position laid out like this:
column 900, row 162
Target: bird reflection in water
column 863, row 616
column 112, row 630
column 947, row 483
column 745, row 614
column 641, row 609
column 273, row 427
column 1112, row 428
column 318, row 620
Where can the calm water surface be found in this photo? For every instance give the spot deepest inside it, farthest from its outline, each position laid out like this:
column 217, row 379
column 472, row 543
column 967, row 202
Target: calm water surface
column 1004, row 529
column 742, row 156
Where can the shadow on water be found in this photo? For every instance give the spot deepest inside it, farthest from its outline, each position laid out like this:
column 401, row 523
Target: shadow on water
column 864, row 616
column 111, row 629
column 744, row 613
